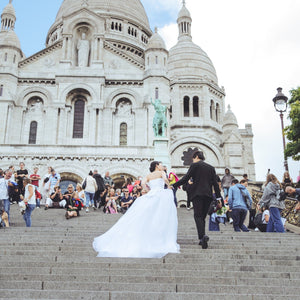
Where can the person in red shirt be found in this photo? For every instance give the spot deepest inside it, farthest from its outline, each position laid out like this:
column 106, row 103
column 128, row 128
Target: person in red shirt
column 35, row 178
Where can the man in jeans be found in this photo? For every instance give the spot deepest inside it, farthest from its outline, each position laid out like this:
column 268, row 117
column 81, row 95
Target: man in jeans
column 237, row 204
column 4, row 197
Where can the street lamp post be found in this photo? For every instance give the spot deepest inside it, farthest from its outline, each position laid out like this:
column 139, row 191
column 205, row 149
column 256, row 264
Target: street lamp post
column 280, row 104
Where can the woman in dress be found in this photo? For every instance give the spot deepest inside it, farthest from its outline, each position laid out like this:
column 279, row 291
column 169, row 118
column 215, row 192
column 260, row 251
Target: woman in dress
column 149, row 227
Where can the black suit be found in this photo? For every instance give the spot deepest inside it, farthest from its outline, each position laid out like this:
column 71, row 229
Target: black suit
column 204, row 178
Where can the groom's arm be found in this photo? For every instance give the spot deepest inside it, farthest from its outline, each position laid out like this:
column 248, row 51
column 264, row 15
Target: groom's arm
column 185, row 178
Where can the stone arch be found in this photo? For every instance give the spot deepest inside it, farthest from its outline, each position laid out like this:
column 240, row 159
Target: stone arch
column 135, row 170
column 88, row 19
column 77, row 93
column 120, row 179
column 82, row 86
column 112, row 99
column 71, row 176
column 78, row 172
column 201, row 142
column 28, row 93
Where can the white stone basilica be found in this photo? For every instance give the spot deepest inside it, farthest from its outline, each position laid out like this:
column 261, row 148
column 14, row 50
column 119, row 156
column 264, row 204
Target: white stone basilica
column 84, row 102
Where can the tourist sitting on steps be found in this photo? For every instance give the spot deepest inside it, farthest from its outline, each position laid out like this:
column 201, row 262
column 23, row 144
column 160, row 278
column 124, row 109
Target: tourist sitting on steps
column 56, row 199
column 126, row 201
column 111, row 205
column 73, row 206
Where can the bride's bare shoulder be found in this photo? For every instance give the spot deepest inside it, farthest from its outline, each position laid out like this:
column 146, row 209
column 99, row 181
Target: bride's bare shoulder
column 154, row 175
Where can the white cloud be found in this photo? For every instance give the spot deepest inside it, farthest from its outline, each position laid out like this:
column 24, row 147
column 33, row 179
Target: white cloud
column 255, row 48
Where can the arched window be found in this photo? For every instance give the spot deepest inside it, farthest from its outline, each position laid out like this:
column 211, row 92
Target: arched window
column 1, row 90
column 156, row 93
column 5, row 57
column 123, row 134
column 217, row 112
column 78, row 123
column 186, row 106
column 196, row 106
column 33, row 133
column 212, row 108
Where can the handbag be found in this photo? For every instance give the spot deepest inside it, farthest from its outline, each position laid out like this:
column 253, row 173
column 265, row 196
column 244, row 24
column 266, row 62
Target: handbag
column 214, row 206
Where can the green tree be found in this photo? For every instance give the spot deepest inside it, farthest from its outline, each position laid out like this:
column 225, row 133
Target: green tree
column 293, row 131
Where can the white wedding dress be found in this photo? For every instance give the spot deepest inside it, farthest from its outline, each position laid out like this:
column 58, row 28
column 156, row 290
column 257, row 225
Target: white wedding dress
column 147, row 230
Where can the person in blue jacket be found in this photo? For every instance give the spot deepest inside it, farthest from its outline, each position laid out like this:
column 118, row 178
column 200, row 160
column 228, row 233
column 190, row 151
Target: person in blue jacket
column 237, row 204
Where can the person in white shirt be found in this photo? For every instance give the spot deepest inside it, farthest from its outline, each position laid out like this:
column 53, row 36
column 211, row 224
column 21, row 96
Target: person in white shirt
column 90, row 187
column 4, row 197
column 29, row 200
column 54, row 180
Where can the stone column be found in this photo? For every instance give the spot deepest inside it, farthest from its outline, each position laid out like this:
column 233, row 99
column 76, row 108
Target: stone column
column 162, row 151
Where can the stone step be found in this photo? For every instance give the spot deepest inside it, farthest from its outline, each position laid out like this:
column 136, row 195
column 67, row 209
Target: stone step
column 22, row 271
column 149, row 287
column 54, row 260
column 188, row 257
column 58, row 257
column 115, row 295
column 294, row 252
column 62, row 267
column 149, row 279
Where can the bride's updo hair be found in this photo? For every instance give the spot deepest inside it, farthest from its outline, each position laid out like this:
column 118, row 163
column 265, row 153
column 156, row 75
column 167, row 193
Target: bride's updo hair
column 153, row 166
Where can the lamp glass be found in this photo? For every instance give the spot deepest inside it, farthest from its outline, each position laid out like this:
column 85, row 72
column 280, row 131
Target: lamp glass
column 280, row 105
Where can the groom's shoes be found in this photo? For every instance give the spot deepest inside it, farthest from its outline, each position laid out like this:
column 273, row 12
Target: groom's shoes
column 203, row 242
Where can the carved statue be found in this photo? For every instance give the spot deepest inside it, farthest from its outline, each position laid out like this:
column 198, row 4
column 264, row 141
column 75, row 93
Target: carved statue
column 83, row 48
column 160, row 120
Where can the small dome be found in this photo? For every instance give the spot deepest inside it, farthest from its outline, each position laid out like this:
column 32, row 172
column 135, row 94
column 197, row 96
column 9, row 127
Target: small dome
column 230, row 118
column 9, row 9
column 156, row 42
column 184, row 13
column 9, row 38
column 187, row 60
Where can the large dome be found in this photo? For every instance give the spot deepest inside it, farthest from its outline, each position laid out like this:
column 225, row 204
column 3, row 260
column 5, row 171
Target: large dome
column 132, row 10
column 187, row 60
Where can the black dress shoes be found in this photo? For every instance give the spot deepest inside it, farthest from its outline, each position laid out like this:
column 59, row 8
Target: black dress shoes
column 203, row 242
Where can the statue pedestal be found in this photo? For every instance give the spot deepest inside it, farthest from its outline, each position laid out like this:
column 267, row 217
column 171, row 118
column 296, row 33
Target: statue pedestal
column 161, row 151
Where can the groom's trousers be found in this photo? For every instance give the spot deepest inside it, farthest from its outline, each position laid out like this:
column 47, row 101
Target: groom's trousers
column 201, row 205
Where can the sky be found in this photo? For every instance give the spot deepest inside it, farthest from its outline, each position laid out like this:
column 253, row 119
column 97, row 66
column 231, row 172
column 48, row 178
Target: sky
column 253, row 44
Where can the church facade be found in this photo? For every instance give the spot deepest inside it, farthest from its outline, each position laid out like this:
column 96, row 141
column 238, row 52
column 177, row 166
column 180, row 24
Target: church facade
column 84, row 102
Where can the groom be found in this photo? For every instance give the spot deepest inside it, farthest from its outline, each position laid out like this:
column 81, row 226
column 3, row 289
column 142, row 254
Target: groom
column 204, row 178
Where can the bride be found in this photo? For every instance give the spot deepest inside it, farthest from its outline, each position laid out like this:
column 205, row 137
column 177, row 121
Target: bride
column 149, row 227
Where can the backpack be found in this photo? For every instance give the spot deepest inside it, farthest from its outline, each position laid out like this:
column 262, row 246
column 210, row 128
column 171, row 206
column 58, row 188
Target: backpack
column 258, row 219
column 280, row 195
column 246, row 198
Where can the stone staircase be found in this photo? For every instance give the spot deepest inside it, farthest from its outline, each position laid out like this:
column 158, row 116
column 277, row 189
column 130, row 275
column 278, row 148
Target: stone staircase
column 55, row 260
